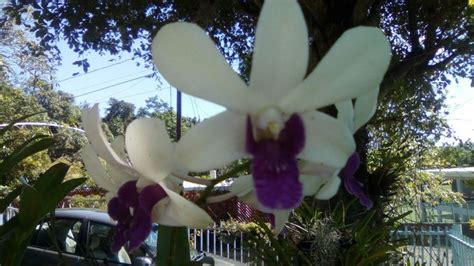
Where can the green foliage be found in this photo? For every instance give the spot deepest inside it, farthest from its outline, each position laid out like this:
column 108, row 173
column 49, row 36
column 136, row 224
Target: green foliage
column 91, row 201
column 118, row 115
column 231, row 229
column 367, row 240
column 447, row 156
column 402, row 159
column 316, row 236
column 13, row 103
column 22, row 60
column 161, row 110
column 36, row 199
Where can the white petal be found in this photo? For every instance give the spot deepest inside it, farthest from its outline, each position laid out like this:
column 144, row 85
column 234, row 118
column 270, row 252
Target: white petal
column 281, row 218
column 311, row 184
column 183, row 212
column 214, row 143
column 121, row 177
column 190, row 61
column 328, row 141
column 118, row 145
column 280, row 56
column 96, row 169
column 149, row 148
column 118, row 176
column 354, row 65
column 365, row 107
column 92, row 125
column 329, row 189
column 143, row 182
column 242, row 186
column 345, row 113
column 319, row 169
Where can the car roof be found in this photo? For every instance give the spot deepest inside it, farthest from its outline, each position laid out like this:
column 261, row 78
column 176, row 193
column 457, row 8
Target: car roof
column 95, row 215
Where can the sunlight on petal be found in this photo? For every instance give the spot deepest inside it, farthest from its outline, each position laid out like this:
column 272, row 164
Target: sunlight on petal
column 184, row 211
column 329, row 189
column 281, row 217
column 191, row 62
column 355, row 64
column 365, row 107
column 91, row 123
column 149, row 148
column 242, row 186
column 345, row 113
column 97, row 170
column 213, row 143
column 280, row 56
column 328, row 141
column 311, row 184
column 118, row 145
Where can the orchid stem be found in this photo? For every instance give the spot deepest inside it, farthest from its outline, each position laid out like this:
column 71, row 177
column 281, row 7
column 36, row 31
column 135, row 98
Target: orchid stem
column 214, row 182
column 193, row 179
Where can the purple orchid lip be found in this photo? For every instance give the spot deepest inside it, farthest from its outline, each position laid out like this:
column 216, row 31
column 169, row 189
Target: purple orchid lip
column 352, row 185
column 274, row 165
column 133, row 226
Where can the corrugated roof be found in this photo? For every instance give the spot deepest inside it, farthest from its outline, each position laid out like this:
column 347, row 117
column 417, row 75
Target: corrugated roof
column 464, row 173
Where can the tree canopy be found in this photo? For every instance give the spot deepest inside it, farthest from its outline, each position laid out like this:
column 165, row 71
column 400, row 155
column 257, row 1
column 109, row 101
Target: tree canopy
column 430, row 43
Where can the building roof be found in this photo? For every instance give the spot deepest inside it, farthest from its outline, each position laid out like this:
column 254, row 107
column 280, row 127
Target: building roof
column 463, row 173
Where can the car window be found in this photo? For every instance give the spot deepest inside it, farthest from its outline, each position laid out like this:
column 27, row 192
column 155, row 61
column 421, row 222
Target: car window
column 62, row 234
column 99, row 243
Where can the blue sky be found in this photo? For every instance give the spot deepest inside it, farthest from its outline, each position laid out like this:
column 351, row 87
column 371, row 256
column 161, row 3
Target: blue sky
column 136, row 89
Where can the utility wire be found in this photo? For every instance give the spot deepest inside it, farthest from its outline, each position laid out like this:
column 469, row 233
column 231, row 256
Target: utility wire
column 113, row 85
column 118, row 92
column 106, row 81
column 137, row 94
column 97, row 69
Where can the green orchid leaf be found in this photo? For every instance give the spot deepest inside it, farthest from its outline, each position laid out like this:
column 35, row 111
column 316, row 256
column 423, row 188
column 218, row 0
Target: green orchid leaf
column 52, row 177
column 56, row 194
column 30, row 147
column 31, row 202
column 5, row 202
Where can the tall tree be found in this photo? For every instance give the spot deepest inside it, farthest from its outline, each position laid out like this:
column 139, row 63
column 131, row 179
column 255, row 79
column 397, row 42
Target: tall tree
column 22, row 60
column 159, row 109
column 118, row 115
column 430, row 43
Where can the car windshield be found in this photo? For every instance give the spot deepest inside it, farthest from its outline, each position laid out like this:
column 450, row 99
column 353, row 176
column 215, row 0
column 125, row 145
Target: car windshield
column 151, row 240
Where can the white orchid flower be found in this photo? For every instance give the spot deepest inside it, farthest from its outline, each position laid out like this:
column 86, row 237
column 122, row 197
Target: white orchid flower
column 272, row 119
column 355, row 115
column 144, row 189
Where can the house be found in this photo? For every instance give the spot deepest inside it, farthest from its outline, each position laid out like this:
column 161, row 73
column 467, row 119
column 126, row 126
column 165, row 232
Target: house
column 459, row 175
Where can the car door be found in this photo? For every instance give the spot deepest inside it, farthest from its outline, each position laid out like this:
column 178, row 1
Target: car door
column 56, row 241
column 98, row 245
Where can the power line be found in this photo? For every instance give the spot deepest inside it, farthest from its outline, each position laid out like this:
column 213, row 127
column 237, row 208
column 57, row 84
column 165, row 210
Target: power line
column 137, row 94
column 113, row 85
column 127, row 88
column 106, row 81
column 462, row 104
column 97, row 69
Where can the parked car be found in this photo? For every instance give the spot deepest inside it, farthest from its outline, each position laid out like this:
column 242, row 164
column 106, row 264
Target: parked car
column 84, row 237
